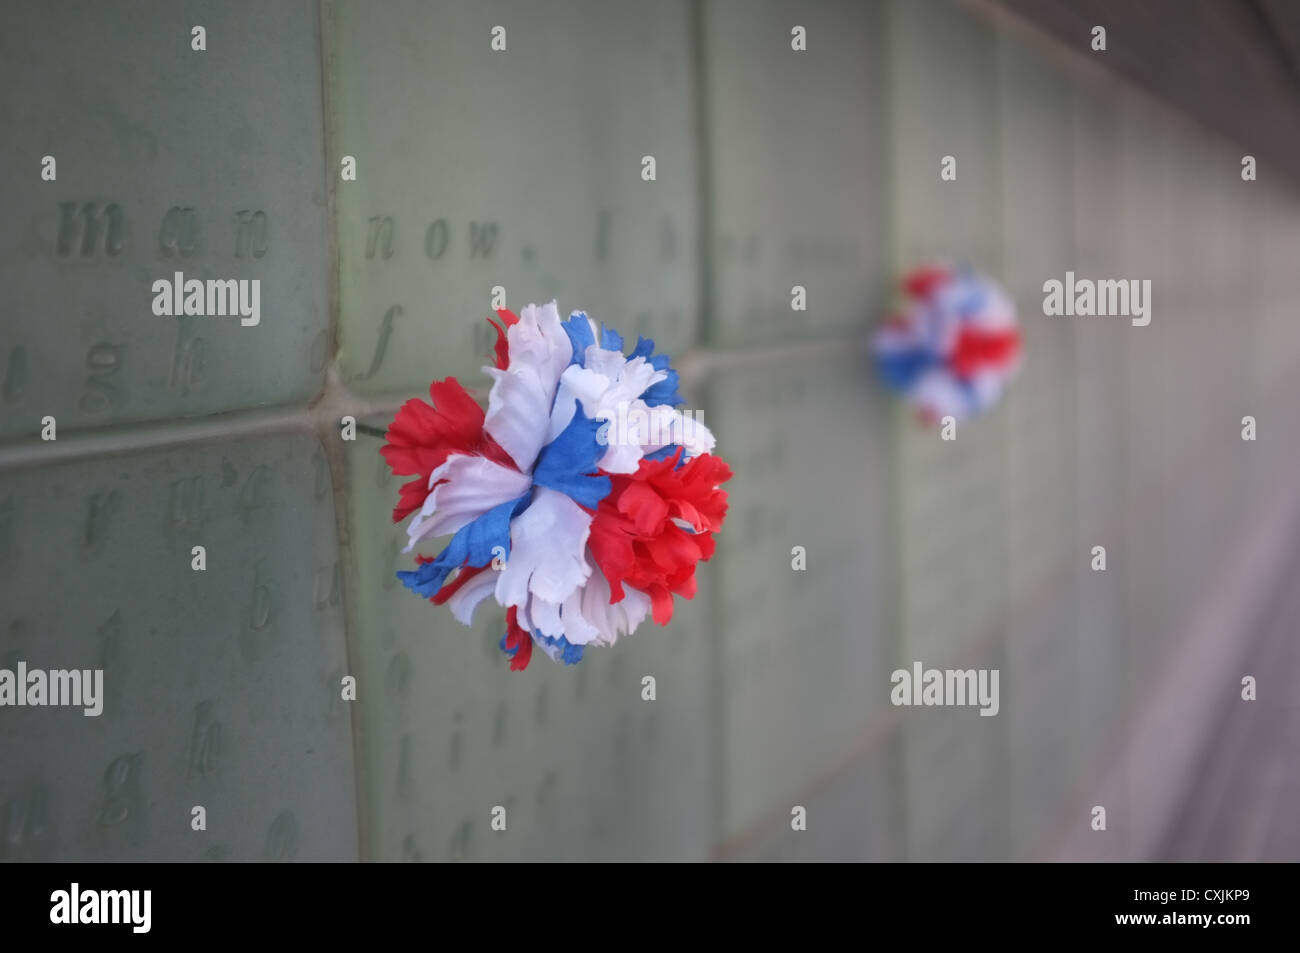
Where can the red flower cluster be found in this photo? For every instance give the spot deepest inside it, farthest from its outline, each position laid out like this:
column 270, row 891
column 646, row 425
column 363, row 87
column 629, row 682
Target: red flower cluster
column 422, row 436
column 637, row 536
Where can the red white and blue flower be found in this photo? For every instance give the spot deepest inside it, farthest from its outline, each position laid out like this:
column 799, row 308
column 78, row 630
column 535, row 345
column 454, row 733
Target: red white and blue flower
column 578, row 535
column 954, row 345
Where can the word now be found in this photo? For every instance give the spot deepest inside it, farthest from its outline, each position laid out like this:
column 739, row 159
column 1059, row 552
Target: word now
column 213, row 298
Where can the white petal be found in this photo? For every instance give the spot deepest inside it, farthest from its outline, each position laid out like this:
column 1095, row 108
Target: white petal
column 622, row 456
column 538, row 338
column 519, row 410
column 583, row 617
column 604, row 384
column 639, row 429
column 546, row 617
column 474, row 485
column 519, row 404
column 609, row 389
column 467, row 597
column 547, row 542
column 578, row 629
column 638, row 376
column 566, row 406
column 695, row 437
column 587, row 385
column 672, row 426
column 937, row 392
column 586, row 617
column 603, row 362
column 612, row 620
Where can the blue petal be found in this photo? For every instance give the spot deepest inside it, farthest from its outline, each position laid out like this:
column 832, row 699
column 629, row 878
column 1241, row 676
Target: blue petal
column 665, row 453
column 974, row 301
column 644, row 348
column 578, row 329
column 664, row 391
column 471, row 546
column 611, row 340
column 967, row 388
column 901, row 369
column 570, row 654
column 567, row 463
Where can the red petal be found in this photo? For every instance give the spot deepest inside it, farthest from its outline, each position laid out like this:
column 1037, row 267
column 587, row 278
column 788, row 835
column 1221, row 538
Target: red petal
column 634, row 543
column 464, row 575
column 661, row 604
column 645, row 507
column 502, row 347
column 922, row 281
column 976, row 349
column 422, row 437
column 519, row 641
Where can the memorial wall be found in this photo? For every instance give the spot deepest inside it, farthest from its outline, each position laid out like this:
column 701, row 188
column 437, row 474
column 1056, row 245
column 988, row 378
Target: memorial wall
column 521, row 171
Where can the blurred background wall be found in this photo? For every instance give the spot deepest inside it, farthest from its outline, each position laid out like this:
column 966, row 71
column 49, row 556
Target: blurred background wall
column 522, row 169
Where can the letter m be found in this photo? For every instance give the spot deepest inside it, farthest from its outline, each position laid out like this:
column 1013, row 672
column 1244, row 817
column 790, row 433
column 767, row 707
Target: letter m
column 482, row 237
column 85, row 221
column 961, row 686
column 223, row 296
column 62, row 682
column 1111, row 291
column 116, row 906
